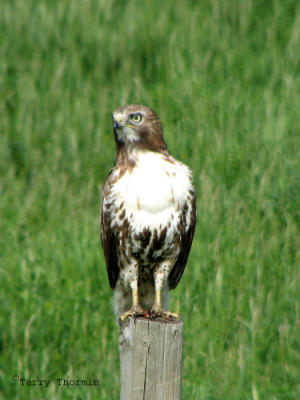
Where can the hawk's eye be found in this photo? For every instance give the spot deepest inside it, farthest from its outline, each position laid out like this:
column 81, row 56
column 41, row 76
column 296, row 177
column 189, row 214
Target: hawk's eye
column 136, row 118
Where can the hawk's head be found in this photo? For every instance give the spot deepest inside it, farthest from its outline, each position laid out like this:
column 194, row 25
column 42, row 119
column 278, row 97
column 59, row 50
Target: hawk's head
column 138, row 125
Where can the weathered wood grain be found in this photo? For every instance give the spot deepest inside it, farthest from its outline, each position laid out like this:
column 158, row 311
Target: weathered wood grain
column 150, row 358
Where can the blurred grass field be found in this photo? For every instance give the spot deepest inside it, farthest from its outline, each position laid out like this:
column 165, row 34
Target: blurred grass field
column 224, row 77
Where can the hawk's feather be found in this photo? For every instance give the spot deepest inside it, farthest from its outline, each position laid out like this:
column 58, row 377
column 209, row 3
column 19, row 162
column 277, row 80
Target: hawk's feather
column 148, row 212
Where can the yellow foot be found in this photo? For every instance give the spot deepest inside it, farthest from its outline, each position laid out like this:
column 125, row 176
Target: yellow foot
column 161, row 313
column 135, row 312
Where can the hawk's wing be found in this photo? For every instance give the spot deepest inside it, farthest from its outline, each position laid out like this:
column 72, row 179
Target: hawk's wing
column 186, row 243
column 108, row 237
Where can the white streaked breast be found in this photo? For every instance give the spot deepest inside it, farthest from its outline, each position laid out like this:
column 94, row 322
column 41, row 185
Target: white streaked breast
column 154, row 190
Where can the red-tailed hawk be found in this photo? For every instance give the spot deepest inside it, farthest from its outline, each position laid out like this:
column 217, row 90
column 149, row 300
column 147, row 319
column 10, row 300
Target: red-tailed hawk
column 148, row 216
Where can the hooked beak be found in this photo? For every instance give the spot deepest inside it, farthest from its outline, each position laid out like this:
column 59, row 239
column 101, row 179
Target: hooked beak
column 117, row 124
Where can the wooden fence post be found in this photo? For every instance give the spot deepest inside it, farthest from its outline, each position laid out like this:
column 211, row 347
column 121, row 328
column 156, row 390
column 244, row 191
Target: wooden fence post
column 150, row 358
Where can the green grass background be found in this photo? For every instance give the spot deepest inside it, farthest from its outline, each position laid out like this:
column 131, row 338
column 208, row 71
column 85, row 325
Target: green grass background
column 224, row 77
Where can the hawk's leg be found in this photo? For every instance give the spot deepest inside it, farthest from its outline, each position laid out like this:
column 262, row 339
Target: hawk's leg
column 136, row 309
column 160, row 279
